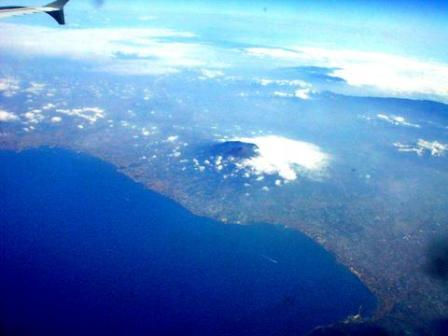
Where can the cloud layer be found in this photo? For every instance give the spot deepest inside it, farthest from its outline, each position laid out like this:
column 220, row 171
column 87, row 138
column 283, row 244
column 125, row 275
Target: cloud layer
column 121, row 50
column 157, row 51
column 391, row 74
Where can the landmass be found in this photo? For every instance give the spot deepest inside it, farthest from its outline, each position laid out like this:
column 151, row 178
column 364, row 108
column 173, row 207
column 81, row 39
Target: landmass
column 370, row 189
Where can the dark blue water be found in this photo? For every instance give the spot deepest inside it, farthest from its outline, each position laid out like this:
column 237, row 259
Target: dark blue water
column 86, row 251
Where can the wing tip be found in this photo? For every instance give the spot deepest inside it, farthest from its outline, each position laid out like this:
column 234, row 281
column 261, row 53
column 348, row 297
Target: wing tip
column 58, row 16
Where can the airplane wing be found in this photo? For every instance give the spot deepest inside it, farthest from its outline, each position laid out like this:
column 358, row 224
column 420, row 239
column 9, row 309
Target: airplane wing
column 54, row 9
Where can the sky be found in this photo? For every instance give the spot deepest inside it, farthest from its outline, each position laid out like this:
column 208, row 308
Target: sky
column 411, row 27
column 398, row 47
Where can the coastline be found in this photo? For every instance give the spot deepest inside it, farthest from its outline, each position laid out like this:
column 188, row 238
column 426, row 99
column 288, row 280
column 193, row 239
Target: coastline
column 162, row 192
column 395, row 309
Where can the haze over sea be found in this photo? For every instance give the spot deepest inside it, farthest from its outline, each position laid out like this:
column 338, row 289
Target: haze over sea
column 87, row 251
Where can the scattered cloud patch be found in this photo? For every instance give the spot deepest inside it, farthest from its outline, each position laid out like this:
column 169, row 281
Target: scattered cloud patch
column 34, row 116
column 7, row 116
column 9, row 86
column 146, row 132
column 284, row 82
column 396, row 120
column 210, row 74
column 48, row 106
column 56, row 120
column 434, row 148
column 91, row 114
column 303, row 94
column 282, row 94
column 273, row 53
column 303, row 90
column 35, row 88
column 197, row 166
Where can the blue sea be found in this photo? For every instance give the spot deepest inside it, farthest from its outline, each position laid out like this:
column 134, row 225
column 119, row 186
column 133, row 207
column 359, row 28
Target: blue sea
column 87, row 251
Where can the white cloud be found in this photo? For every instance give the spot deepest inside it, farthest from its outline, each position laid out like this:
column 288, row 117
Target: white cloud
column 285, row 157
column 34, row 116
column 7, row 116
column 35, row 88
column 396, row 120
column 56, row 120
column 282, row 94
column 48, row 106
column 302, row 94
column 210, row 74
column 303, row 90
column 120, row 50
column 435, row 148
column 392, row 74
column 91, row 114
column 145, row 132
column 273, row 53
column 284, row 82
column 9, row 86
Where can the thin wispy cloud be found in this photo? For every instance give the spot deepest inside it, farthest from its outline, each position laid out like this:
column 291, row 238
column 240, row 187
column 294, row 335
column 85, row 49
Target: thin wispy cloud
column 396, row 120
column 434, row 148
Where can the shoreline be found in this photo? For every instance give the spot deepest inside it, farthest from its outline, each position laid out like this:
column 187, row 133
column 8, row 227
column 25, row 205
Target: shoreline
column 159, row 189
column 392, row 305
